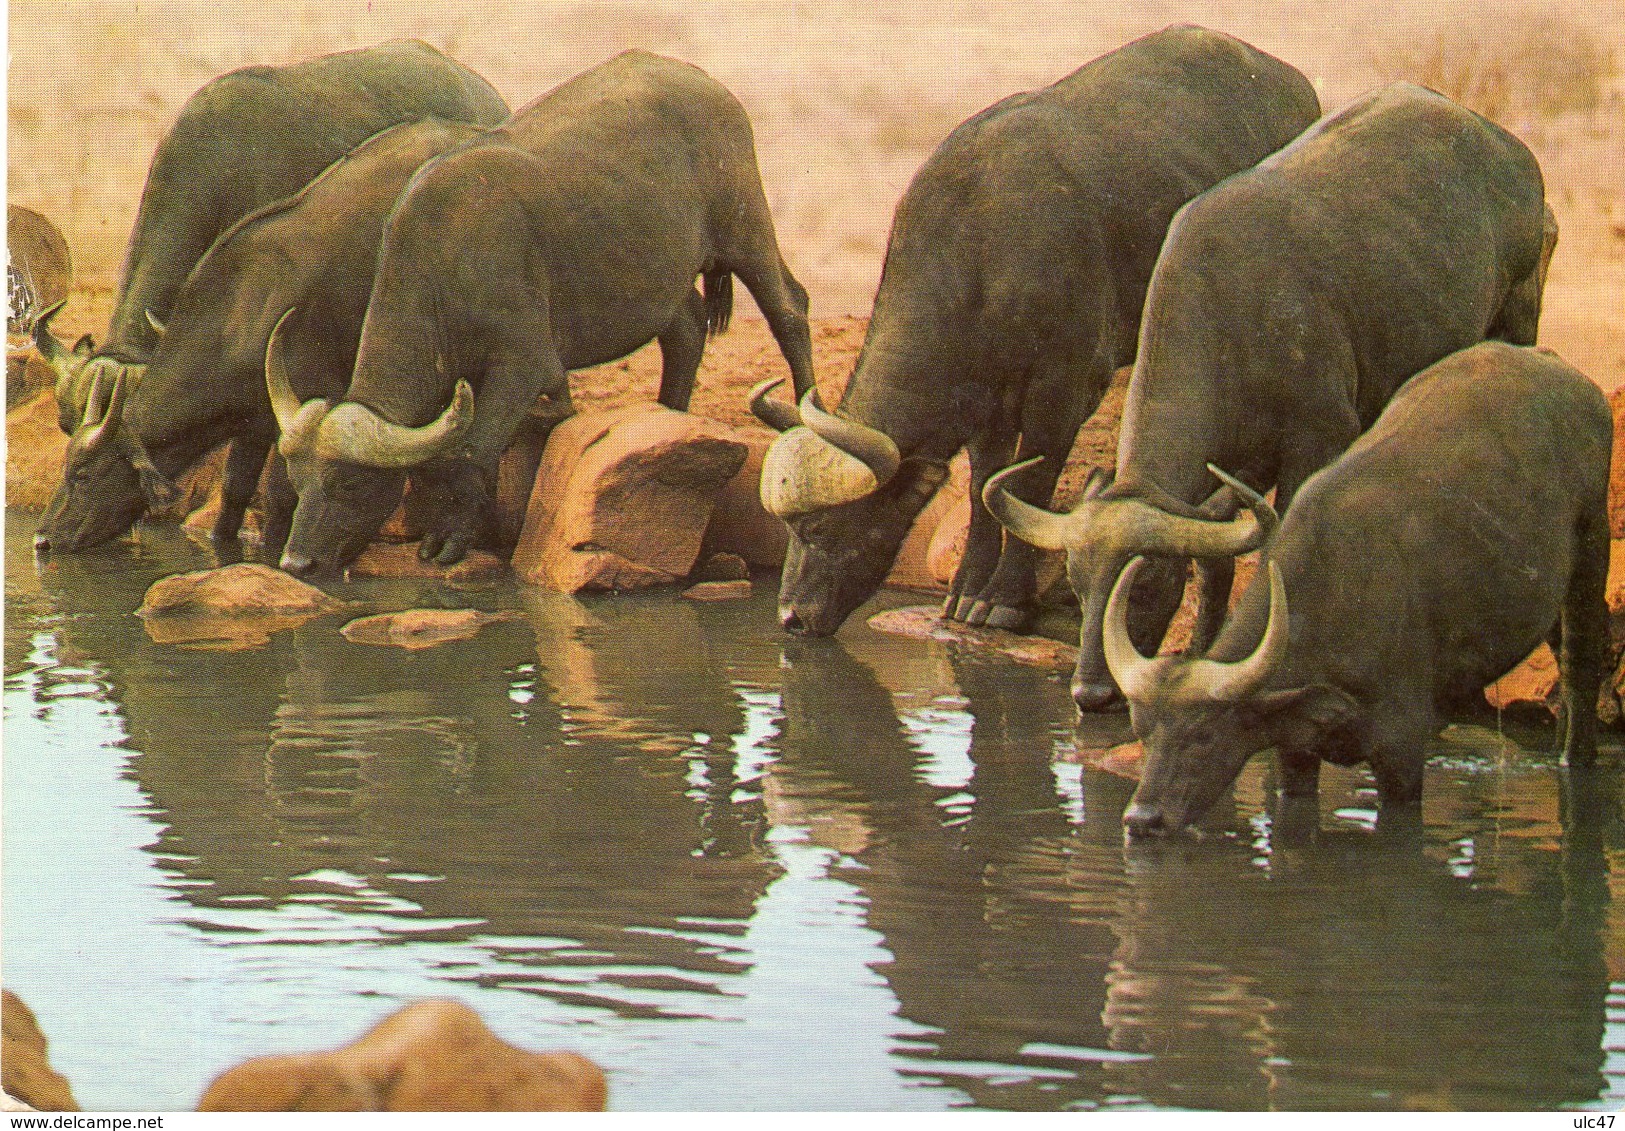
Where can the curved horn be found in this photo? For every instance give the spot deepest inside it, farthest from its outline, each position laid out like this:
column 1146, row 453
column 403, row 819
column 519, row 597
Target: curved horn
column 153, row 321
column 1035, row 525
column 870, row 446
column 1221, row 682
column 777, row 415
column 107, row 421
column 1145, row 528
column 1132, row 671
column 355, row 433
column 284, row 401
column 45, row 341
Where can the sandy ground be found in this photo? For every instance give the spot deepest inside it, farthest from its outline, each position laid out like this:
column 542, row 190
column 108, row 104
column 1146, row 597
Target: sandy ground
column 847, row 98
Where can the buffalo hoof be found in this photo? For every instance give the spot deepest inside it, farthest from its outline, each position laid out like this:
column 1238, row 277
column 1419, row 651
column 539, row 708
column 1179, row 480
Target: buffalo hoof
column 1141, row 821
column 444, row 551
column 1009, row 618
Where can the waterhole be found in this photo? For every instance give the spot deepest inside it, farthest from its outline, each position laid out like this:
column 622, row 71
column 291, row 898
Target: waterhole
column 743, row 872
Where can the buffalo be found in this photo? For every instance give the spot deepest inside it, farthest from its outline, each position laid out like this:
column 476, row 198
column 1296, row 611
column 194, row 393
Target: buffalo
column 246, row 140
column 204, row 383
column 1287, row 306
column 567, row 238
column 1467, row 526
column 1012, row 288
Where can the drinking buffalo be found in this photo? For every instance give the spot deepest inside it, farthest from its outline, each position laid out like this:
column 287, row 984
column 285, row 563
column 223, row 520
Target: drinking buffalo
column 1287, row 305
column 1012, row 289
column 247, row 139
column 205, row 382
column 1468, row 525
column 567, row 238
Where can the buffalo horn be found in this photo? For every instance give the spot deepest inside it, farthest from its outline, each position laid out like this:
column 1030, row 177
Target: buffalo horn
column 1220, row 682
column 777, row 415
column 1205, row 680
column 354, row 433
column 1034, row 525
column 106, row 420
column 155, row 323
column 1132, row 671
column 1148, row 529
column 870, row 446
column 284, row 401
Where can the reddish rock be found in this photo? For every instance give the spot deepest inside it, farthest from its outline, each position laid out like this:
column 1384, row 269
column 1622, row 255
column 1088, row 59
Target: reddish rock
column 1531, row 686
column 383, row 559
column 236, row 606
column 740, row 525
column 246, row 587
column 422, row 628
column 925, row 622
column 25, row 1062
column 718, row 591
column 429, row 1056
column 723, row 567
column 35, row 450
column 622, row 498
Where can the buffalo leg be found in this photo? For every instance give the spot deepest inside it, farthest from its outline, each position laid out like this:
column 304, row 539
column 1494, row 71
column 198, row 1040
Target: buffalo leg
column 507, row 393
column 1584, row 639
column 992, row 450
column 783, row 302
column 244, row 461
column 1058, row 396
column 280, row 501
column 682, row 344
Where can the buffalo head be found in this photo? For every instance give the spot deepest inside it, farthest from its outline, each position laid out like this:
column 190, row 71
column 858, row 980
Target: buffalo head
column 80, row 368
column 849, row 499
column 347, row 463
column 108, row 479
column 1105, row 530
column 1200, row 719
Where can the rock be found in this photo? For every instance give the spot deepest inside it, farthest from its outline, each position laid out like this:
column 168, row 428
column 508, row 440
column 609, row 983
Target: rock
column 26, row 371
column 924, row 622
column 429, row 1056
column 913, row 568
column 1529, row 689
column 622, row 498
column 740, row 525
column 946, row 547
column 723, row 567
column 422, row 628
column 233, row 607
column 396, row 560
column 246, row 587
column 1616, row 480
column 39, row 269
column 718, row 590
column 35, row 450
column 25, row 1063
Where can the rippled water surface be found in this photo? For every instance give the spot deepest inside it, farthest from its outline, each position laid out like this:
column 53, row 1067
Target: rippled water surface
column 741, row 872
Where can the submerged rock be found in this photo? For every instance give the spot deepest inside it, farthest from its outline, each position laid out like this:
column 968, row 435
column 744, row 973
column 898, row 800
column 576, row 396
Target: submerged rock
column 422, row 628
column 429, row 1056
column 719, row 590
column 401, row 561
column 924, row 622
column 235, row 606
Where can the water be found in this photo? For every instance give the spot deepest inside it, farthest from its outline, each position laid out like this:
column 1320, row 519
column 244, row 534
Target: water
column 741, row 872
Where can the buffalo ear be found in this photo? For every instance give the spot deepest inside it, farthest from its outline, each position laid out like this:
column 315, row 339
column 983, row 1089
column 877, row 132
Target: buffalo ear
column 1301, row 718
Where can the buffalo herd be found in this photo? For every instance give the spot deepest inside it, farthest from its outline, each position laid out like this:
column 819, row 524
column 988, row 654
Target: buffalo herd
column 366, row 263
